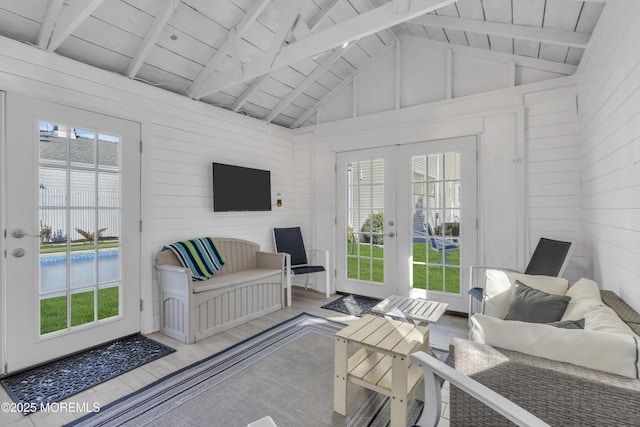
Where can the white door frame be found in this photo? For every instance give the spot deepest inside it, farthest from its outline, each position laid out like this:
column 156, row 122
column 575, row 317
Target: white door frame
column 111, row 331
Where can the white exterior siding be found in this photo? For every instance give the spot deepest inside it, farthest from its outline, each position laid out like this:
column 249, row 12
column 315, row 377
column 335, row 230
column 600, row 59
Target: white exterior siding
column 608, row 91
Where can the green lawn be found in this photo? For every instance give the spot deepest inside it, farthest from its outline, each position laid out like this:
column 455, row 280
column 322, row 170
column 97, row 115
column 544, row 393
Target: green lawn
column 437, row 267
column 53, row 311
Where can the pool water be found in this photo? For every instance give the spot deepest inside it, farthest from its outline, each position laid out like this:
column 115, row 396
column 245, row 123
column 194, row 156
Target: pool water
column 53, row 270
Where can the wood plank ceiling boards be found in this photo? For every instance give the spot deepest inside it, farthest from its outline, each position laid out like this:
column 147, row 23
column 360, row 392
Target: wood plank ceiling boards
column 280, row 60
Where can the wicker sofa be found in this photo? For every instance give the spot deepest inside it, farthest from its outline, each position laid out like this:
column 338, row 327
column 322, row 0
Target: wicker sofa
column 561, row 394
column 250, row 285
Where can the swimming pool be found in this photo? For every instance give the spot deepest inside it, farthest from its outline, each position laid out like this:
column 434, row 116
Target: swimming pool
column 53, row 269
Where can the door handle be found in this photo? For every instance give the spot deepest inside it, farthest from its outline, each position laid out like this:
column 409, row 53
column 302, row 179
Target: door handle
column 391, row 234
column 19, row 233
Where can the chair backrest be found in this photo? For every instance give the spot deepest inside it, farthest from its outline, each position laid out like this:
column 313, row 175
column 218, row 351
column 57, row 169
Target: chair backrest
column 432, row 240
column 550, row 257
column 289, row 240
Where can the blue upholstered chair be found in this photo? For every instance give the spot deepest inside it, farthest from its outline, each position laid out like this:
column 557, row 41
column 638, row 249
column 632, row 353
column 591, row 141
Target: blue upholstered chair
column 289, row 241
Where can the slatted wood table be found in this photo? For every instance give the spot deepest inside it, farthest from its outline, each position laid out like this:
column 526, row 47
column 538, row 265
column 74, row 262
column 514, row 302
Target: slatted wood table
column 419, row 311
column 381, row 364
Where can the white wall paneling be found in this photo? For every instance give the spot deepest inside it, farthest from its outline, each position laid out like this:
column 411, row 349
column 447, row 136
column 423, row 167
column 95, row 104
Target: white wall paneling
column 423, row 72
column 608, row 139
column 181, row 140
column 520, row 130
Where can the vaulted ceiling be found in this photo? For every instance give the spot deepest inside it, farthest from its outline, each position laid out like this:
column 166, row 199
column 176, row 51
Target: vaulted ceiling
column 277, row 60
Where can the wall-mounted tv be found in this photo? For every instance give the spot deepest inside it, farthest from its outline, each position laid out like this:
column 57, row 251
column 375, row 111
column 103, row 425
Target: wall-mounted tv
column 239, row 189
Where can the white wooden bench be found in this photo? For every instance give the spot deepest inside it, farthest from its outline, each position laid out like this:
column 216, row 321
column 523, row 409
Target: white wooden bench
column 250, row 285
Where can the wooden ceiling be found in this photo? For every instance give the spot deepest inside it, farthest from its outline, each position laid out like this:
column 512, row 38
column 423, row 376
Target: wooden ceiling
column 276, row 60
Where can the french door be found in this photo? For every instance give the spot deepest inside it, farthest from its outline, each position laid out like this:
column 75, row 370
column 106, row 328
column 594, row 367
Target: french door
column 72, row 219
column 367, row 222
column 408, row 217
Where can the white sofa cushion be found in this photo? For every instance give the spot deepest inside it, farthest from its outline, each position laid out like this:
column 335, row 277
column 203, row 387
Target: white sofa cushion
column 499, row 286
column 616, row 353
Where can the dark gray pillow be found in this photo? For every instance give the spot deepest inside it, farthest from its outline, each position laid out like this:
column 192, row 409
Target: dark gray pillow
column 531, row 305
column 569, row 324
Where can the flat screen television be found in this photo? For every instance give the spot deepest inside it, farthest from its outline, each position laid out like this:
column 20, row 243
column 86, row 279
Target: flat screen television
column 240, row 189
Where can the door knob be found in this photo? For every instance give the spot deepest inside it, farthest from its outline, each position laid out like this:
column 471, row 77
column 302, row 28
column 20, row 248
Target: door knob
column 18, row 252
column 391, row 234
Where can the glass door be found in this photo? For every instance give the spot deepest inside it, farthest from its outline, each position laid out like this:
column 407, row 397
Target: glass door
column 72, row 222
column 439, row 203
column 366, row 223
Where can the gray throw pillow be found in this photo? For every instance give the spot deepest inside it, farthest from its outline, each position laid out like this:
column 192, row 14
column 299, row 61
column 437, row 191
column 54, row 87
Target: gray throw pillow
column 569, row 324
column 531, row 305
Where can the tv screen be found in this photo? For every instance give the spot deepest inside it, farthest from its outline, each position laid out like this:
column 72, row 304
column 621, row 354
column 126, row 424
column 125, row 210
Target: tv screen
column 238, row 189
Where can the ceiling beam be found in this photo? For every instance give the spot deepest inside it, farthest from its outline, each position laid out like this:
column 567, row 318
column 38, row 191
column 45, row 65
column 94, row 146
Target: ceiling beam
column 241, row 28
column 490, row 55
column 48, row 22
column 521, row 32
column 313, row 25
column 244, row 96
column 70, row 19
column 151, row 37
column 329, row 96
column 360, row 26
column 289, row 14
column 308, row 81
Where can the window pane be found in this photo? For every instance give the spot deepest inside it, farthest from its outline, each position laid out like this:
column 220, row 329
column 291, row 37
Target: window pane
column 108, row 301
column 108, row 151
column 53, row 143
column 53, row 313
column 82, row 147
column 82, row 307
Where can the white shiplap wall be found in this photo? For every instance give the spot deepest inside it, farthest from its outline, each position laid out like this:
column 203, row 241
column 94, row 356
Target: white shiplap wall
column 181, row 140
column 608, row 91
column 527, row 140
column 415, row 72
column 553, row 185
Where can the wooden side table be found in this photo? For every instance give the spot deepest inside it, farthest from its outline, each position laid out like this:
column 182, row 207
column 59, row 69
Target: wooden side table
column 382, row 364
column 419, row 311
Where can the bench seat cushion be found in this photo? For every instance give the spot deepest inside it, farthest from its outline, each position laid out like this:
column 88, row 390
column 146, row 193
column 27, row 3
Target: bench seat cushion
column 230, row 279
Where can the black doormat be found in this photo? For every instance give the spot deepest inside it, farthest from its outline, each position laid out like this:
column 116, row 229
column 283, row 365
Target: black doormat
column 35, row 388
column 353, row 304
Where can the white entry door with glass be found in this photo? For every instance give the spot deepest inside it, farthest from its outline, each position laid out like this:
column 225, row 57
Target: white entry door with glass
column 72, row 218
column 408, row 214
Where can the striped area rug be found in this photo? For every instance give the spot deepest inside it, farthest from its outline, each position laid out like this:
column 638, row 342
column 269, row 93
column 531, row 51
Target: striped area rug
column 285, row 372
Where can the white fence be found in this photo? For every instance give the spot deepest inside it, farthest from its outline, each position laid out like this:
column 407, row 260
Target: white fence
column 84, row 214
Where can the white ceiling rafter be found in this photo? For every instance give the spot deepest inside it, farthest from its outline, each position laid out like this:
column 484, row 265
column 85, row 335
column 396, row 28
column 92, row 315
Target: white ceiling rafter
column 151, row 37
column 360, row 26
column 328, row 97
column 490, row 55
column 522, row 32
column 313, row 25
column 240, row 29
column 289, row 14
column 48, row 22
column 70, row 19
column 308, row 81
